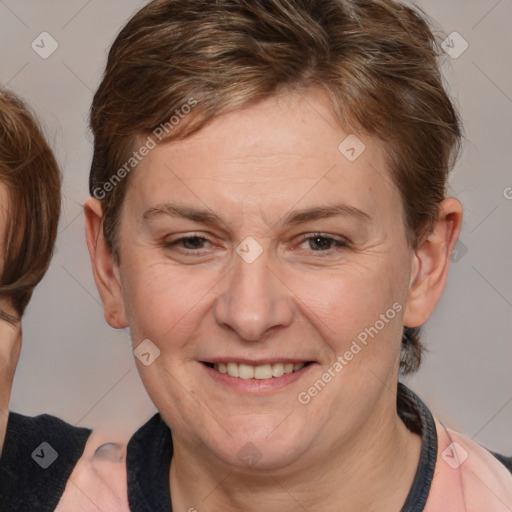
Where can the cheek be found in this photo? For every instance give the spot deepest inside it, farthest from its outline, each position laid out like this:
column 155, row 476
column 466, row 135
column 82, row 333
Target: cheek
column 161, row 302
column 350, row 302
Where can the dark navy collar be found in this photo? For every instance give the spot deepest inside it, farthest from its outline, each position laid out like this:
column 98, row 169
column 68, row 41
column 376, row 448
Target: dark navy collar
column 409, row 407
column 148, row 461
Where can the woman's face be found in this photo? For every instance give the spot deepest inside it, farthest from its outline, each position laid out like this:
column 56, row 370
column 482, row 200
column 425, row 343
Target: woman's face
column 260, row 240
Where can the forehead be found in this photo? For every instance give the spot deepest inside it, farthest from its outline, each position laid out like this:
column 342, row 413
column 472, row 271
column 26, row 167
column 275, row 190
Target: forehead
column 286, row 150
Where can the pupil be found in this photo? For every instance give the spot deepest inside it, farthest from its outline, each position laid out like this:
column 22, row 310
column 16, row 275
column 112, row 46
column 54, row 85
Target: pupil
column 324, row 243
column 190, row 242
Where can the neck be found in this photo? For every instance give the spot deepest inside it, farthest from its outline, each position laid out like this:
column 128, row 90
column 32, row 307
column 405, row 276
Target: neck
column 371, row 471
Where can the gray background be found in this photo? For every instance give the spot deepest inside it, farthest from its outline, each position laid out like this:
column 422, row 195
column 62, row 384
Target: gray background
column 74, row 366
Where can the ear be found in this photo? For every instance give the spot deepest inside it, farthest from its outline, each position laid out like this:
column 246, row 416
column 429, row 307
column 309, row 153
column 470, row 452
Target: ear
column 104, row 267
column 431, row 262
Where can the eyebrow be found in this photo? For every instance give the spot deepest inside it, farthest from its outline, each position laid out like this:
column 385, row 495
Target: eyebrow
column 293, row 218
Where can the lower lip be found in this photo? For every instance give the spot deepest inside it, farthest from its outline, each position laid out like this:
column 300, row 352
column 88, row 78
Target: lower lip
column 257, row 386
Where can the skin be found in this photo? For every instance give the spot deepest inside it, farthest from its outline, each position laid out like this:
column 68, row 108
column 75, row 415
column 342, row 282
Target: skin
column 198, row 300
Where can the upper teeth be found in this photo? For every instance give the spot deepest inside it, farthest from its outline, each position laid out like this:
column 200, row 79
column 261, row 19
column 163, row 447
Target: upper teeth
column 264, row 371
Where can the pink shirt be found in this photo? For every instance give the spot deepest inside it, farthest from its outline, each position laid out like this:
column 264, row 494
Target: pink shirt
column 467, row 478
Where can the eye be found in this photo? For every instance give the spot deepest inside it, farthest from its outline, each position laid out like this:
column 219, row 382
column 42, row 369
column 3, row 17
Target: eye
column 319, row 242
column 188, row 244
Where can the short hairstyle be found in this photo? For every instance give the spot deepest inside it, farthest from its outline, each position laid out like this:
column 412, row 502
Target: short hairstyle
column 32, row 177
column 377, row 59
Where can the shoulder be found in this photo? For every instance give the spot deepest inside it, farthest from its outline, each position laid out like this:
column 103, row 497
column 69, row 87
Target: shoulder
column 99, row 480
column 468, row 476
column 115, row 469
column 47, row 464
column 38, row 456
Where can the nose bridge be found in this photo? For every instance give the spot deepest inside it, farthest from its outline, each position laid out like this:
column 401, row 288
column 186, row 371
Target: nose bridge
column 254, row 300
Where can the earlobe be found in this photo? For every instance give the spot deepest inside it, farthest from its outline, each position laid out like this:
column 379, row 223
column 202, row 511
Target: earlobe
column 430, row 264
column 104, row 267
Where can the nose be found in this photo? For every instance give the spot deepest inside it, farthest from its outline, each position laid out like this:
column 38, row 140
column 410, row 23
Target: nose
column 254, row 301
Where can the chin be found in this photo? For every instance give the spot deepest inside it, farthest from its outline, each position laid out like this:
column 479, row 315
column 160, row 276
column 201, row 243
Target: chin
column 256, row 445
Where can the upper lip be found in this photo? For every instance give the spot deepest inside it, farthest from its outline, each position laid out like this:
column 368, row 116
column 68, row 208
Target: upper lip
column 256, row 362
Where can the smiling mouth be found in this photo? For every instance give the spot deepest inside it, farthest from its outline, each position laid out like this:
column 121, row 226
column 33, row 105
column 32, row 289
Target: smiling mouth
column 260, row 372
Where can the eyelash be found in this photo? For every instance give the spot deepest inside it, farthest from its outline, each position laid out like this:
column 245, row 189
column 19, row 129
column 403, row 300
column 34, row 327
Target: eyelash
column 339, row 244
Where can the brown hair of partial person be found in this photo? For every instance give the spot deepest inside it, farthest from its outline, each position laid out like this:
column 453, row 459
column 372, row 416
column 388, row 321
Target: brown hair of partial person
column 30, row 173
column 377, row 59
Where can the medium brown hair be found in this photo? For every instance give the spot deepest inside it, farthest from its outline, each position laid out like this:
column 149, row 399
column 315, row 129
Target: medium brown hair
column 377, row 59
column 30, row 172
